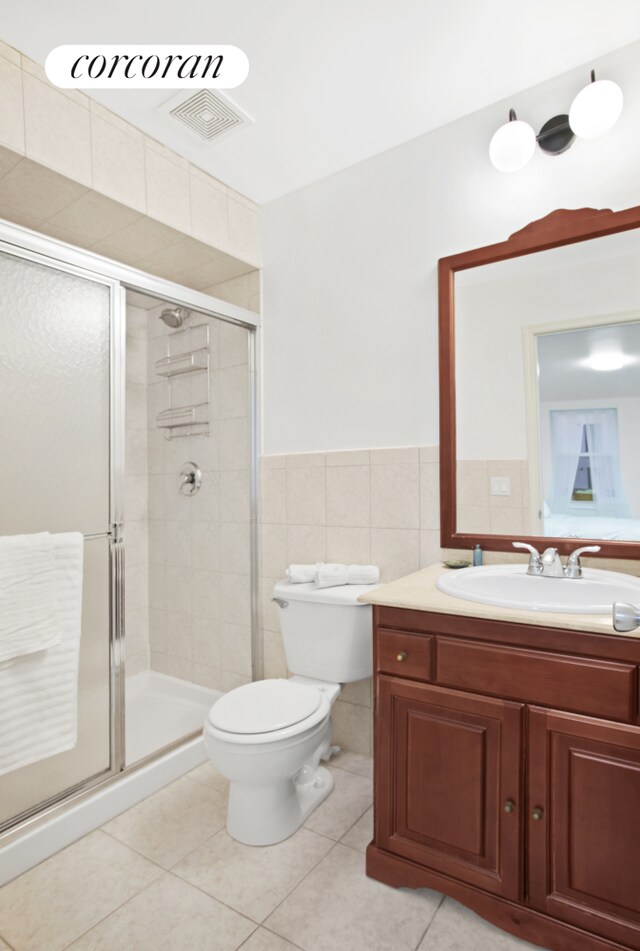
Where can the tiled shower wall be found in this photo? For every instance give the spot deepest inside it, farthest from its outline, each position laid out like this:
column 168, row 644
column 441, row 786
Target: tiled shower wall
column 378, row 506
column 199, row 557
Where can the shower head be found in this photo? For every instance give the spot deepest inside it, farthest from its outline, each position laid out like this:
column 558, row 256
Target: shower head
column 175, row 316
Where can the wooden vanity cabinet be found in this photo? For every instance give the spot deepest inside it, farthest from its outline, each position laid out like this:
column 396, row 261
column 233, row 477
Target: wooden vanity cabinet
column 507, row 774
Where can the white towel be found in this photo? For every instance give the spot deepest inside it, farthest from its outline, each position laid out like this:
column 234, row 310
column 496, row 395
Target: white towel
column 28, row 610
column 301, row 574
column 332, row 575
column 39, row 692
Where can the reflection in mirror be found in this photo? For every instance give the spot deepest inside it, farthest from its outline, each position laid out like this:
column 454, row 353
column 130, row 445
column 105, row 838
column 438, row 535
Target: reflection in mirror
column 547, row 363
column 588, row 409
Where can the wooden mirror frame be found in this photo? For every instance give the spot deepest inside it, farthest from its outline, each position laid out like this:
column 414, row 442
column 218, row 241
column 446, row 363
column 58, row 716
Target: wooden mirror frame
column 556, row 229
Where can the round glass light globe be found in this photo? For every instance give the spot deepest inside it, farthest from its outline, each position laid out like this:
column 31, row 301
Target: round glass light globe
column 596, row 109
column 512, row 146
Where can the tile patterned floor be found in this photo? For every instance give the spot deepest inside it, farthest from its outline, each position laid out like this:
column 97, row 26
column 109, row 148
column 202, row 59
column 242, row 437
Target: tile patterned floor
column 165, row 876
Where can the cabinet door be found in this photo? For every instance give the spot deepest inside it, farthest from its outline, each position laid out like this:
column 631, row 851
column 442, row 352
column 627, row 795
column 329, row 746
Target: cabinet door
column 447, row 764
column 584, row 823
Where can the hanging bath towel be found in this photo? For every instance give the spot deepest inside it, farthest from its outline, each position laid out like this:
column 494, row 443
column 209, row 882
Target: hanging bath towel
column 39, row 691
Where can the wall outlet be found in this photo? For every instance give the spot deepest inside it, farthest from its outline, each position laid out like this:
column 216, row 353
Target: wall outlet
column 500, row 485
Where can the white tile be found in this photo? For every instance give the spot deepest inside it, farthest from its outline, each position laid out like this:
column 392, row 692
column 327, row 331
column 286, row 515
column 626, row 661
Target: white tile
column 244, row 232
column 348, row 496
column 352, row 727
column 349, row 546
column 234, row 547
column 234, row 443
column 263, row 940
column 209, row 220
column 353, row 763
column 337, row 906
column 395, row 498
column 358, row 692
column 206, row 593
column 208, row 775
column 234, row 496
column 10, row 54
column 349, row 457
column 235, row 648
column 31, row 189
column 58, row 900
column 11, row 108
column 429, row 496
column 305, row 459
column 52, row 123
column 171, row 822
column 273, row 502
column 306, row 496
column 348, row 801
column 430, row 551
column 167, row 190
column 235, row 598
column 395, row 551
column 234, row 345
column 252, row 880
column 361, row 833
column 394, row 457
column 166, row 916
column 306, row 544
column 118, row 162
column 273, row 550
column 455, row 927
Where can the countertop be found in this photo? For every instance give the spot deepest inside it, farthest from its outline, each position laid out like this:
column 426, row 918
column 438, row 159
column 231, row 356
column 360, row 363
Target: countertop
column 418, row 592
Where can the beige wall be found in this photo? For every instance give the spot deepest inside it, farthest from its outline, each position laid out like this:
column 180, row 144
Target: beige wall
column 480, row 511
column 199, row 555
column 71, row 169
column 379, row 506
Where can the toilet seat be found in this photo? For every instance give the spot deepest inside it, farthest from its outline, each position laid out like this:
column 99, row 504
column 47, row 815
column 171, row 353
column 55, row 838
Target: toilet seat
column 266, row 711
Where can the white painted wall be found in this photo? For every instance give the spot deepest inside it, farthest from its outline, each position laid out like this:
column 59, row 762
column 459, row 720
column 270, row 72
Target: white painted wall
column 350, row 288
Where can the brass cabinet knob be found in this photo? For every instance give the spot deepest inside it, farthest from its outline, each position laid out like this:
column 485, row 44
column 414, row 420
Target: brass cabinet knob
column 402, row 656
column 509, row 805
column 537, row 814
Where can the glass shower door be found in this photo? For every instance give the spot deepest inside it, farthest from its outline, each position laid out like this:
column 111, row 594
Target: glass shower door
column 55, row 340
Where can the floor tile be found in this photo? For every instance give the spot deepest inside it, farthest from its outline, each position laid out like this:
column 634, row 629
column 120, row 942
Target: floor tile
column 57, row 901
column 166, row 916
column 251, row 879
column 360, row 835
column 5, row 947
column 263, row 940
column 171, row 822
column 208, row 775
column 350, row 798
column 353, row 763
column 455, row 928
column 337, row 906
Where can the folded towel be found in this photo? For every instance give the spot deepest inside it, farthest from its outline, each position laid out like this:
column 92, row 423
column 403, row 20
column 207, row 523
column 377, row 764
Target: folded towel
column 301, row 574
column 332, row 575
column 39, row 692
column 28, row 610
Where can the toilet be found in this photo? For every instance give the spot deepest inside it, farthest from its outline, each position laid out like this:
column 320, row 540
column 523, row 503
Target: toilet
column 268, row 737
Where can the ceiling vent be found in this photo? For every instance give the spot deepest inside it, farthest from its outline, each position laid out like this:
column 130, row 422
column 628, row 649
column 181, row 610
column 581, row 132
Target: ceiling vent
column 209, row 115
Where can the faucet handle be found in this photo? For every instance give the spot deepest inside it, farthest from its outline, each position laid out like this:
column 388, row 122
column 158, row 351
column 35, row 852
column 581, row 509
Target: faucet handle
column 535, row 562
column 626, row 617
column 574, row 568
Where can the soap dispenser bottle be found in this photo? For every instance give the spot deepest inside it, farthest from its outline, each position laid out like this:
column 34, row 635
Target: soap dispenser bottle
column 477, row 556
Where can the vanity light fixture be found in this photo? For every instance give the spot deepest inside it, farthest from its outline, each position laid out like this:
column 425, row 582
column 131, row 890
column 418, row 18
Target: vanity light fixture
column 594, row 111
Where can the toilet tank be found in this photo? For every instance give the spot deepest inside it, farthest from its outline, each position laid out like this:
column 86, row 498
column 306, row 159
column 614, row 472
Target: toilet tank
column 327, row 634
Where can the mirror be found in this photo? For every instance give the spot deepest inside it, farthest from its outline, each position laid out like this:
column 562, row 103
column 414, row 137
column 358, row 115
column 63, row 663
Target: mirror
column 540, row 387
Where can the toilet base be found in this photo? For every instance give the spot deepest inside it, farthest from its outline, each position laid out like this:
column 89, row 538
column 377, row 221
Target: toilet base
column 265, row 815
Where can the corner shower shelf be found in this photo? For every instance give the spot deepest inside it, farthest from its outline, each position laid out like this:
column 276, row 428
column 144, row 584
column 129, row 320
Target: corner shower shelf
column 186, row 371
column 179, row 363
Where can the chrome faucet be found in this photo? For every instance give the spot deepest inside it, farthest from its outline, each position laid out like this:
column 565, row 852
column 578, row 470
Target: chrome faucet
column 548, row 564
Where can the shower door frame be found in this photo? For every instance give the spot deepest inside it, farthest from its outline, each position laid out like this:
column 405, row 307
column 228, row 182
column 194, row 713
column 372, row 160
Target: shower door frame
column 30, row 245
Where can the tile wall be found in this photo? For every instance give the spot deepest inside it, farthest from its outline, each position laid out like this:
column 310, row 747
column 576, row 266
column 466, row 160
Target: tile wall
column 378, row 506
column 479, row 510
column 72, row 169
column 199, row 556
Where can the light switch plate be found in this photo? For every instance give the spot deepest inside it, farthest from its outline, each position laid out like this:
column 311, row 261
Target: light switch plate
column 500, row 485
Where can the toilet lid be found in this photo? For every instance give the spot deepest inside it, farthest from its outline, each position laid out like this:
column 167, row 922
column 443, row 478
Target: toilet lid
column 264, row 706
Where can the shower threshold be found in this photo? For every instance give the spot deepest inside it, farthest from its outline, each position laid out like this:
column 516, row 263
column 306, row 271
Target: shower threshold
column 160, row 710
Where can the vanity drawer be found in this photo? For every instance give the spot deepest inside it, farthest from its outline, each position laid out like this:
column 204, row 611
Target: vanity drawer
column 594, row 687
column 403, row 654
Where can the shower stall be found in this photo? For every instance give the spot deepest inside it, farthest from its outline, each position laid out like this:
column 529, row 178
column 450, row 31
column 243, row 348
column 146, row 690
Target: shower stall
column 127, row 414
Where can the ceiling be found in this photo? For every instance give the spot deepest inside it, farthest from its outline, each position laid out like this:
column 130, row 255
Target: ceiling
column 563, row 360
column 334, row 82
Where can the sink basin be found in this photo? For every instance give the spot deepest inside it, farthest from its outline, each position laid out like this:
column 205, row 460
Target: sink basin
column 509, row 586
